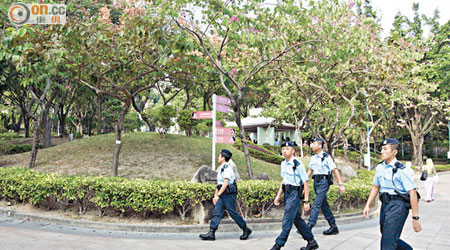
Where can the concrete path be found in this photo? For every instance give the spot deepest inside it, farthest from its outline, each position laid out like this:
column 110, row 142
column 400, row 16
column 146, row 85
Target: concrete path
column 434, row 216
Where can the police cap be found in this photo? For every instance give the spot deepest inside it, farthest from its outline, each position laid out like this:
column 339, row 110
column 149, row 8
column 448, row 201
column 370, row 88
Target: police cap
column 390, row 141
column 226, row 153
column 287, row 144
column 318, row 139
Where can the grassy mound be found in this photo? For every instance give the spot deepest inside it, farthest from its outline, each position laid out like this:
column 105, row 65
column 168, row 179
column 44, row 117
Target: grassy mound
column 143, row 155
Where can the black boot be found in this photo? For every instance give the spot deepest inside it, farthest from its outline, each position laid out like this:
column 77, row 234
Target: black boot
column 246, row 233
column 332, row 230
column 209, row 236
column 312, row 244
column 276, row 247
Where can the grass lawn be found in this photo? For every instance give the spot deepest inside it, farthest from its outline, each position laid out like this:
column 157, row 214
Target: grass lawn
column 143, row 155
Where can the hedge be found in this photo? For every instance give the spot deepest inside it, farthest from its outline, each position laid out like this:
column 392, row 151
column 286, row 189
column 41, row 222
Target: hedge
column 441, row 168
column 124, row 197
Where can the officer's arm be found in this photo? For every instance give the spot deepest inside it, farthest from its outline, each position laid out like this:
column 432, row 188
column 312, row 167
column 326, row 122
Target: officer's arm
column 306, row 190
column 224, row 186
column 309, row 172
column 372, row 195
column 338, row 176
column 413, row 201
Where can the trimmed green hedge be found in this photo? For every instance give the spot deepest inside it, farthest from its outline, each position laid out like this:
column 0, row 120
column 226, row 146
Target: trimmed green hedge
column 18, row 148
column 441, row 168
column 124, row 196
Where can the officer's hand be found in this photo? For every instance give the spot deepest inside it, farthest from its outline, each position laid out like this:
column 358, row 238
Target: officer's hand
column 416, row 226
column 306, row 206
column 342, row 189
column 276, row 201
column 215, row 200
column 366, row 212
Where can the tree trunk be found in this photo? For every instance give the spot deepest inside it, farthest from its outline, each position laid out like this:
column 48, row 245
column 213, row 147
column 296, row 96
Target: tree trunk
column 47, row 126
column 35, row 142
column 361, row 149
column 119, row 128
column 242, row 136
column 17, row 125
column 99, row 115
column 345, row 148
column 26, row 122
column 417, row 143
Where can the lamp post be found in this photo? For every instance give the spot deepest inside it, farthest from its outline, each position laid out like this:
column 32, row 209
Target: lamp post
column 368, row 136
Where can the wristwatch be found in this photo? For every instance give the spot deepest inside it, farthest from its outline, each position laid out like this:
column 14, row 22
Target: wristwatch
column 340, row 185
column 304, row 201
column 415, row 217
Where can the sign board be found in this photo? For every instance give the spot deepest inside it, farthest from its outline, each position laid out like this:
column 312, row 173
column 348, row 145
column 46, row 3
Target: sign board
column 226, row 139
column 223, row 108
column 223, row 100
column 201, row 115
column 226, row 131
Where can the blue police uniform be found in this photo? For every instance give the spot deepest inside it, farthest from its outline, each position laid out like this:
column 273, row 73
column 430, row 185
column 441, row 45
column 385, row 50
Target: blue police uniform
column 294, row 176
column 227, row 200
column 394, row 211
column 322, row 165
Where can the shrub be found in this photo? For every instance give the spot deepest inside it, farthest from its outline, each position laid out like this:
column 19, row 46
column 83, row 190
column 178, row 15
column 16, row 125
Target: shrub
column 260, row 152
column 124, row 196
column 18, row 148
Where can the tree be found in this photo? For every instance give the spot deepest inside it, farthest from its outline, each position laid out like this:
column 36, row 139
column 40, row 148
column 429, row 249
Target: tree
column 162, row 118
column 186, row 122
column 240, row 45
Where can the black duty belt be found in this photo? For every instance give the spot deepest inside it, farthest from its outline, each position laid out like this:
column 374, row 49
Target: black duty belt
column 386, row 197
column 289, row 188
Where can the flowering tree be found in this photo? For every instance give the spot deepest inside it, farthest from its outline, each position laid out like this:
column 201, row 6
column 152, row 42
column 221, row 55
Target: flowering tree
column 237, row 37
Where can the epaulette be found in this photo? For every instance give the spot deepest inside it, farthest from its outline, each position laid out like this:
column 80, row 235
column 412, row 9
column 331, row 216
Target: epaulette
column 223, row 168
column 399, row 165
column 296, row 162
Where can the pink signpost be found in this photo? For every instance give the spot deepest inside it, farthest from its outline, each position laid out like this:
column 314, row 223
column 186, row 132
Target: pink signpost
column 223, row 108
column 226, row 131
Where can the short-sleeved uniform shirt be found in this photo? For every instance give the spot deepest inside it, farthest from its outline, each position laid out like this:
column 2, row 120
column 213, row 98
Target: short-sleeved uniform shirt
column 401, row 179
column 293, row 177
column 225, row 171
column 320, row 164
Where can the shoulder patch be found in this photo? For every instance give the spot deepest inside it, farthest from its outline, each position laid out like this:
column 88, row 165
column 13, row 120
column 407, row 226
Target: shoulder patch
column 399, row 165
column 296, row 162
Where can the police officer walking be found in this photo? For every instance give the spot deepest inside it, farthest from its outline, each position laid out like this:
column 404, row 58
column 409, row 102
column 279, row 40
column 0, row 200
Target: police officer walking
column 397, row 193
column 225, row 198
column 321, row 166
column 294, row 183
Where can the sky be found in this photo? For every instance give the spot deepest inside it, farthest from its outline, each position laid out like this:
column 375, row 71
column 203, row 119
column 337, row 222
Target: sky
column 387, row 9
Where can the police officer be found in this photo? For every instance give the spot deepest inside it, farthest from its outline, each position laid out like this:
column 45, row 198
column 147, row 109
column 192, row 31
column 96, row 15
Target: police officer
column 225, row 198
column 395, row 187
column 294, row 183
column 321, row 166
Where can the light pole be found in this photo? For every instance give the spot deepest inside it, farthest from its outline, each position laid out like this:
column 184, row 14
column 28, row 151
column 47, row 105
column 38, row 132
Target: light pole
column 368, row 135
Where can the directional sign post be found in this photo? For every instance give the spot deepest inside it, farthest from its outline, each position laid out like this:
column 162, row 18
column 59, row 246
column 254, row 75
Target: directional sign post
column 220, row 134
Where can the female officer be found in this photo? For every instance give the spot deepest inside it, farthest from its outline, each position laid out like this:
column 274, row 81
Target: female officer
column 225, row 198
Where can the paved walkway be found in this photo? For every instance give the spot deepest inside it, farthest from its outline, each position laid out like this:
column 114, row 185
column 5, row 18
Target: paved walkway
column 435, row 219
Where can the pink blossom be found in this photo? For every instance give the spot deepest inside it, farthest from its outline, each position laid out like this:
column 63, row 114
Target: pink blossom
column 339, row 84
column 358, row 23
column 41, row 1
column 233, row 19
column 340, row 43
column 426, row 50
column 259, row 31
column 250, row 29
column 298, row 49
column 234, row 71
column 68, row 87
column 350, row 5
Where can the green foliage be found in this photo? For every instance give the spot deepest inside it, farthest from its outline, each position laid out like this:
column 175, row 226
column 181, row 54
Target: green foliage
column 132, row 121
column 9, row 135
column 162, row 118
column 16, row 148
column 441, row 168
column 124, row 195
column 186, row 122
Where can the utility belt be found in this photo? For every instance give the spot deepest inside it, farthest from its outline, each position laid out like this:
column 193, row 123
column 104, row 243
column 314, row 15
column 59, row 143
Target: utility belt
column 328, row 177
column 386, row 198
column 231, row 188
column 289, row 188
